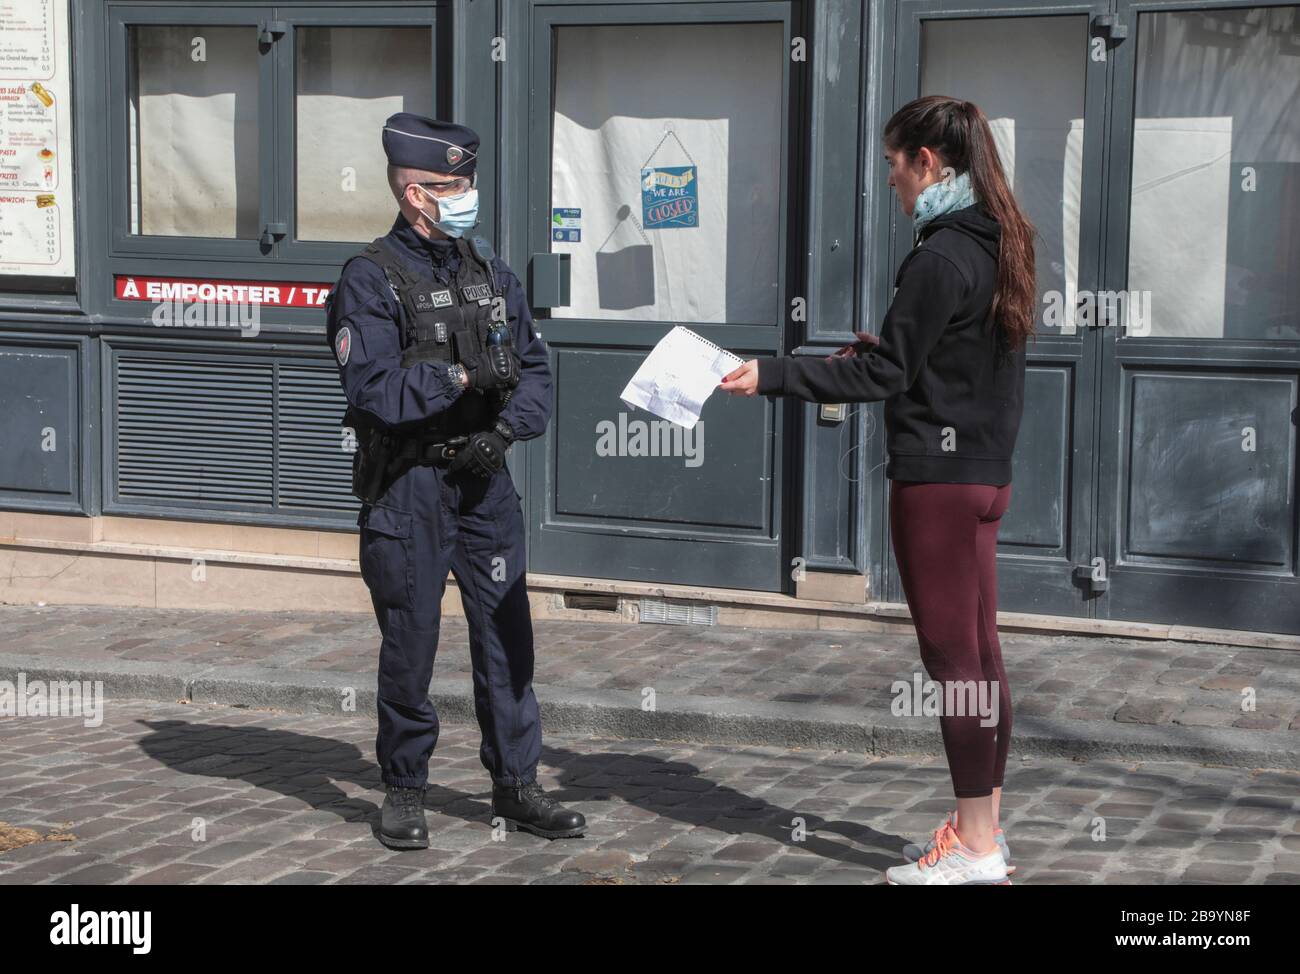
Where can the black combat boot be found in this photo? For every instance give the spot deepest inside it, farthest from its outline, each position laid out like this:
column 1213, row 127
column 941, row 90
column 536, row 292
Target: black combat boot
column 527, row 807
column 402, row 824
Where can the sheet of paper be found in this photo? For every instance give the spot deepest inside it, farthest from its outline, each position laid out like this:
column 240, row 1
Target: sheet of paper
column 678, row 375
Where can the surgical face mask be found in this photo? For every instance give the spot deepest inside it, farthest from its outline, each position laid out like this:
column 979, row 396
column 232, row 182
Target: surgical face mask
column 459, row 213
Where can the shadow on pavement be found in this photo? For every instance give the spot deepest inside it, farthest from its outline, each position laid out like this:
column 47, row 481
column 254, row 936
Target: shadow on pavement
column 308, row 768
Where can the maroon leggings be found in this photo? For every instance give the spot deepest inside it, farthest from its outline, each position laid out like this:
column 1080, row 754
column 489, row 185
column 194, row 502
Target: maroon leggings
column 945, row 543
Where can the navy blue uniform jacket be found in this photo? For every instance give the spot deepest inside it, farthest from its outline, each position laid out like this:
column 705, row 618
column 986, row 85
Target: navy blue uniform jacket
column 369, row 358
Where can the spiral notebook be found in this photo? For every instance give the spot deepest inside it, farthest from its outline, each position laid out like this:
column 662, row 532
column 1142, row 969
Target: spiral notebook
column 678, row 376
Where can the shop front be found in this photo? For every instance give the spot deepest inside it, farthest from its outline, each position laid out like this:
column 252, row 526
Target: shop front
column 173, row 217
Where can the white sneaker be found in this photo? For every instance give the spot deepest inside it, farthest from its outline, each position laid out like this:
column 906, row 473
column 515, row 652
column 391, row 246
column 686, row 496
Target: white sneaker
column 950, row 863
column 914, row 851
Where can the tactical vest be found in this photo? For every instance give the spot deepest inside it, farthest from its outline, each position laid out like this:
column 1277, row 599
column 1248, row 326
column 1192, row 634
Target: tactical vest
column 446, row 322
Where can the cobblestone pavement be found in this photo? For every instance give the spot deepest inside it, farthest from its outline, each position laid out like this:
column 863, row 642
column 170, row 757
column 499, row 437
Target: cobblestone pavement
column 291, row 798
column 1074, row 677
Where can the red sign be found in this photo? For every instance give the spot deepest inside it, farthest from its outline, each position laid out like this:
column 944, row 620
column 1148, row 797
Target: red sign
column 279, row 294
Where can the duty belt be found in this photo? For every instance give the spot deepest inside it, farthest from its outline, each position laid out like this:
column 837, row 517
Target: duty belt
column 435, row 448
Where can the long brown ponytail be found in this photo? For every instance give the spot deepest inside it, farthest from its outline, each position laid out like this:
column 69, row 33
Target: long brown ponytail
column 959, row 134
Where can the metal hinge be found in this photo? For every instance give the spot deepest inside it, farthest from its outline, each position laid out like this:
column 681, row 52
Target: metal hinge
column 1110, row 27
column 272, row 232
column 271, row 31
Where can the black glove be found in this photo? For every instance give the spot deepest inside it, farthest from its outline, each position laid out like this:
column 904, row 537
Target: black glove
column 483, row 455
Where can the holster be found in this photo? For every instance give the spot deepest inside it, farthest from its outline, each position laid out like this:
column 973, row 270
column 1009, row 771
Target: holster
column 383, row 455
column 373, row 463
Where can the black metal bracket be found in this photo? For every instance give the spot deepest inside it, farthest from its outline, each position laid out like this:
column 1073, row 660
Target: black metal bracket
column 272, row 31
column 272, row 232
column 1110, row 26
column 1084, row 575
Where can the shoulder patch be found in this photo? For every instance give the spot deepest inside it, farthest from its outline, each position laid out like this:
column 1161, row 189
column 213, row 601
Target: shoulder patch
column 343, row 345
column 482, row 249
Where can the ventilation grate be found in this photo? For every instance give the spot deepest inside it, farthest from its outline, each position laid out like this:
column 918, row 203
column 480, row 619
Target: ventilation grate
column 678, row 613
column 231, row 434
column 315, row 472
column 599, row 601
column 194, row 431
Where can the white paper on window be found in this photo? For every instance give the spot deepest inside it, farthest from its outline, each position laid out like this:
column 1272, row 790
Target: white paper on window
column 195, row 108
column 1215, row 215
column 350, row 80
column 1178, row 236
column 1071, row 210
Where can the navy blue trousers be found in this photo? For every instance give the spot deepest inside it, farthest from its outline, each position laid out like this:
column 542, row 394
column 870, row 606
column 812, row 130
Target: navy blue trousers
column 427, row 523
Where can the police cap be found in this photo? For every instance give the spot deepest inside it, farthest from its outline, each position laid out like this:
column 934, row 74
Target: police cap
column 416, row 142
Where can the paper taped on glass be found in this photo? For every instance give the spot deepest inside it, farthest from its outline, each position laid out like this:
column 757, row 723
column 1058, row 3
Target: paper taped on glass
column 678, row 375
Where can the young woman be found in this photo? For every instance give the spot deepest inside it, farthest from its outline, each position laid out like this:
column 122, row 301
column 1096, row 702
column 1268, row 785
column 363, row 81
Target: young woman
column 950, row 366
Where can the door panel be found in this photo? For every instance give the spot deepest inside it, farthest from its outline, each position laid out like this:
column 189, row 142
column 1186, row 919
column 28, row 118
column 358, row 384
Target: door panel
column 1044, row 459
column 1232, row 507
column 624, row 479
column 659, row 168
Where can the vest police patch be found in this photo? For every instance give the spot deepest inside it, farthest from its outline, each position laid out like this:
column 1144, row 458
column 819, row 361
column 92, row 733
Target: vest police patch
column 476, row 292
column 427, row 301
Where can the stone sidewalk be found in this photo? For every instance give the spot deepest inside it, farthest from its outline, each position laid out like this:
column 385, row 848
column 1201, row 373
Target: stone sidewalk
column 165, row 792
column 1073, row 695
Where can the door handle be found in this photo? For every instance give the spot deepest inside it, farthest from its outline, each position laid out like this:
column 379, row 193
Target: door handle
column 548, row 285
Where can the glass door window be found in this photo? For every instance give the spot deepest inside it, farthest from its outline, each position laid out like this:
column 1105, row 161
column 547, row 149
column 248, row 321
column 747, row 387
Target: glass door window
column 666, row 184
column 193, row 115
column 1214, row 220
column 347, row 82
column 1038, row 126
column 254, row 132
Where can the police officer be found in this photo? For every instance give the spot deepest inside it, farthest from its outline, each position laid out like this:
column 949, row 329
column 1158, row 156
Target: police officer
column 443, row 371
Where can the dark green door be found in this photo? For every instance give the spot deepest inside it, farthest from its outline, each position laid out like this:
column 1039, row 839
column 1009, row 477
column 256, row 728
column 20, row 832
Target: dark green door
column 1156, row 146
column 1197, row 450
column 659, row 169
column 1035, row 71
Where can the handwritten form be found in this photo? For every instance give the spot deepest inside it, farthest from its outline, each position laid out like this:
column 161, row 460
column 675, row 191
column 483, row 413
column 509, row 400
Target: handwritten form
column 678, row 375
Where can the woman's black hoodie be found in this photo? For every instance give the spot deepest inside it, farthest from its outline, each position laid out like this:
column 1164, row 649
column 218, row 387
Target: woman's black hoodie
column 953, row 391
